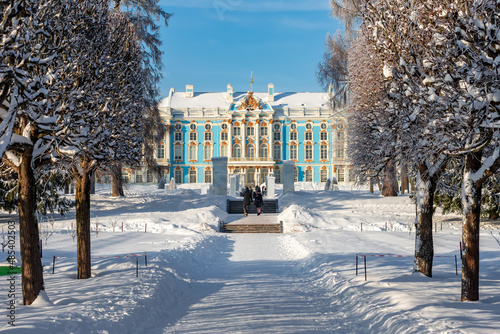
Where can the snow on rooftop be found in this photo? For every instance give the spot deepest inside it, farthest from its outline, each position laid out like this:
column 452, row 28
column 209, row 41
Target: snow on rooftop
column 293, row 100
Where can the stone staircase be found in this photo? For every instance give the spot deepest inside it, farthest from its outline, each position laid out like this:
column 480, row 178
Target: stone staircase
column 268, row 206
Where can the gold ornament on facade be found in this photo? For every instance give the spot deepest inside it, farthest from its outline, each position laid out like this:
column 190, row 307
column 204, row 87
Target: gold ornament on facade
column 250, row 103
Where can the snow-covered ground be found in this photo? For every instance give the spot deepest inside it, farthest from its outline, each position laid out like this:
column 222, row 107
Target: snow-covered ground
column 303, row 281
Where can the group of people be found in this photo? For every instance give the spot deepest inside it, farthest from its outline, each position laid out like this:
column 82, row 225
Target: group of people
column 250, row 197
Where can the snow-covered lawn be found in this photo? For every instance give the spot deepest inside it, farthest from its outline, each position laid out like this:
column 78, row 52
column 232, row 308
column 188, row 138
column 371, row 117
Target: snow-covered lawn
column 303, row 281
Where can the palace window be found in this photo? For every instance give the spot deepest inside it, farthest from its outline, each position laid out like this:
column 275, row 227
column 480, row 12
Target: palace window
column 237, row 131
column 223, row 151
column 250, row 151
column 193, row 126
column 208, row 136
column 293, row 152
column 277, row 175
column 296, row 175
column 340, row 136
column 250, row 131
column 178, row 176
column 177, row 152
column 251, row 176
column 207, row 152
column 323, row 175
column 193, row 153
column 160, row 151
column 309, row 152
column 264, row 172
column 340, row 152
column 309, row 136
column 224, row 136
column 138, row 176
column 324, row 126
column 149, row 176
column 340, row 174
column 224, row 126
column 192, row 176
column 263, row 130
column 193, row 136
column 237, row 151
column 309, row 175
column 293, row 136
column 208, row 176
column 276, row 126
column 293, row 126
column 324, row 152
column 208, row 127
column 178, row 126
column 263, row 151
column 277, row 152
column 323, row 136
column 309, row 126
column 177, row 136
column 277, row 136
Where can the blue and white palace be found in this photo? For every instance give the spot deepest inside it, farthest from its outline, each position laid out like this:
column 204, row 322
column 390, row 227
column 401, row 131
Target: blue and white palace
column 256, row 131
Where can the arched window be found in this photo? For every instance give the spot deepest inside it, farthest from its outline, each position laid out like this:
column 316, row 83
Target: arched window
column 237, row 151
column 309, row 152
column 263, row 151
column 207, row 152
column 178, row 175
column 149, row 176
column 208, row 176
column 293, row 152
column 324, row 152
column 250, row 151
column 277, row 175
column 177, row 152
column 193, row 152
column 323, row 175
column 223, row 151
column 160, row 152
column 251, row 176
column 277, row 152
column 309, row 175
column 192, row 175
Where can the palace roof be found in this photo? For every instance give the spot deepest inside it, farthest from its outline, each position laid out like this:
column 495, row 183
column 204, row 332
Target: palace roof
column 291, row 100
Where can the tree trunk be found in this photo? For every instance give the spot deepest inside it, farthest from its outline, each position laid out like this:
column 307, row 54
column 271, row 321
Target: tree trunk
column 404, row 179
column 117, row 180
column 471, row 202
column 31, row 264
column 371, row 185
column 82, row 200
column 92, row 183
column 424, row 245
column 390, row 185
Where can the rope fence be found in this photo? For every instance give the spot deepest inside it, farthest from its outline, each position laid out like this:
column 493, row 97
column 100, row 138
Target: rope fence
column 137, row 256
column 364, row 256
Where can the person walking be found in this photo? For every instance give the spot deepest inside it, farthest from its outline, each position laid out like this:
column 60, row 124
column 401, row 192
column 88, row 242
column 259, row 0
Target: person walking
column 257, row 197
column 247, row 199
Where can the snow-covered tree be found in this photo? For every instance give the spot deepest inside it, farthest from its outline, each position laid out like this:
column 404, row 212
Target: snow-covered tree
column 451, row 88
column 28, row 119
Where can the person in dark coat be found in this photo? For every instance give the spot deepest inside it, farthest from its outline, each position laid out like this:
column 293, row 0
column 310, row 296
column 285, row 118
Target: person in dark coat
column 257, row 198
column 247, row 199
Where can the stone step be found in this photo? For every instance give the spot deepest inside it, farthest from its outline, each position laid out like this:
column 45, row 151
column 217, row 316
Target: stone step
column 252, row 228
column 236, row 206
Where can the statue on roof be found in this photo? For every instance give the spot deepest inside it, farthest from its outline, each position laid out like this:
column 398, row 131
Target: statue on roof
column 250, row 103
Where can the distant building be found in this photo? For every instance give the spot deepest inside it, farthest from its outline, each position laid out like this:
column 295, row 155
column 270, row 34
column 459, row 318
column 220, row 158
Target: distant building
column 256, row 131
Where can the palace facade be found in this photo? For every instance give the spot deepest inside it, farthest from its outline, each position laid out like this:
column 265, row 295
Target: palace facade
column 256, row 131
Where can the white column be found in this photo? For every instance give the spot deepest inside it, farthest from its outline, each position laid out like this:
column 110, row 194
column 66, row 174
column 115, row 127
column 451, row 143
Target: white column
column 230, row 140
column 243, row 139
column 257, row 141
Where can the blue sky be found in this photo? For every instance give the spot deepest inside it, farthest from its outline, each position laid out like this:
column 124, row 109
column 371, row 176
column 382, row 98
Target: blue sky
column 210, row 43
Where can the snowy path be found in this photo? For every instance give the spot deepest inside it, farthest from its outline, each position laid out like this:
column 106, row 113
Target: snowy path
column 261, row 292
